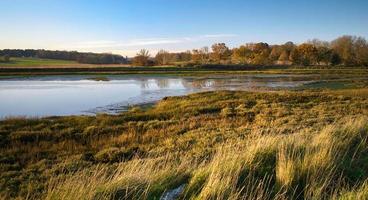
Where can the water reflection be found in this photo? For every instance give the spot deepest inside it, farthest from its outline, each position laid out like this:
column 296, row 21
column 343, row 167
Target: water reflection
column 68, row 95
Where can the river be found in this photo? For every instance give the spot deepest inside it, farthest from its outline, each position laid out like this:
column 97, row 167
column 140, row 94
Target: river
column 38, row 96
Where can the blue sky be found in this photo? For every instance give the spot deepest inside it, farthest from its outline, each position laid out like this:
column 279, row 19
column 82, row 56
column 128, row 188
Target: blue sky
column 125, row 26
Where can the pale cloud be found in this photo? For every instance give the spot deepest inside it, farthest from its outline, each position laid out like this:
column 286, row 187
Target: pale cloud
column 143, row 42
column 130, row 47
column 116, row 44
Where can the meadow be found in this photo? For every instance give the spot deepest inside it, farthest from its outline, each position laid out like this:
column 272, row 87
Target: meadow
column 214, row 145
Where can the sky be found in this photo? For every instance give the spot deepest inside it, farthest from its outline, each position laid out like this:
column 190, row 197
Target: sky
column 126, row 26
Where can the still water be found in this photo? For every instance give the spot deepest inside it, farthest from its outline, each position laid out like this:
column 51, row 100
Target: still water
column 73, row 95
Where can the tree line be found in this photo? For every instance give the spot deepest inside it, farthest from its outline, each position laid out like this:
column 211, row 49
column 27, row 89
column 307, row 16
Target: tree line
column 345, row 50
column 88, row 58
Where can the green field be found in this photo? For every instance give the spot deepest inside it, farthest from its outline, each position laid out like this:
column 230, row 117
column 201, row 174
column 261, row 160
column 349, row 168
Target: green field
column 215, row 145
column 35, row 62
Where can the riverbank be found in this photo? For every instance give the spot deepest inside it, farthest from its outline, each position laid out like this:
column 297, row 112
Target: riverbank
column 217, row 144
column 172, row 70
column 35, row 66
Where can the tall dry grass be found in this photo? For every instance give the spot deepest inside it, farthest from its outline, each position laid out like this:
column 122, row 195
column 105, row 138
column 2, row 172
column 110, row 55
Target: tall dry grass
column 219, row 145
column 296, row 166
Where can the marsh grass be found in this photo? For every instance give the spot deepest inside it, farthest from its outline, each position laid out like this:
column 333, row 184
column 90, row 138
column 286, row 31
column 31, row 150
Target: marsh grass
column 220, row 145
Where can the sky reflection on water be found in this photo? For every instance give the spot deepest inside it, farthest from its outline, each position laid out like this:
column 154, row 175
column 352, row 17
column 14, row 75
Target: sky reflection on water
column 72, row 95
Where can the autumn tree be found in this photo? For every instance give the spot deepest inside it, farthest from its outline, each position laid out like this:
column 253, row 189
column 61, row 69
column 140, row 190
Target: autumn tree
column 260, row 53
column 344, row 47
column 196, row 57
column 241, row 55
column 288, row 46
column 319, row 43
column 185, row 56
column 205, row 55
column 275, row 53
column 182, row 56
column 308, row 54
column 324, row 55
column 318, row 52
column 200, row 56
column 335, row 59
column 295, row 57
column 163, row 57
column 142, row 58
column 361, row 51
column 220, row 52
column 284, row 52
column 284, row 57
